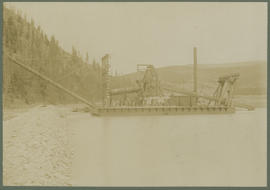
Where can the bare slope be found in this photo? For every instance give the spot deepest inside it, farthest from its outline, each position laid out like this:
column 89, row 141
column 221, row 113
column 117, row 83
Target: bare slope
column 253, row 76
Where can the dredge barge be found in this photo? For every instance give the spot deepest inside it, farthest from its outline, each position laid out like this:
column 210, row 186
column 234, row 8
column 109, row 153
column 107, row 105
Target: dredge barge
column 150, row 97
column 163, row 110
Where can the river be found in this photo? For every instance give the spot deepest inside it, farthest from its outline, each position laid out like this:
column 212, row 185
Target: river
column 183, row 150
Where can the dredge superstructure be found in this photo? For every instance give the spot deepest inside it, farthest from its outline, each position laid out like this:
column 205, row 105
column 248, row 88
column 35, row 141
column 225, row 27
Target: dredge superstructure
column 150, row 97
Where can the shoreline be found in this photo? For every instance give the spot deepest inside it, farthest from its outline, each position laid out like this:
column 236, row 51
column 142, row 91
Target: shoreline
column 36, row 143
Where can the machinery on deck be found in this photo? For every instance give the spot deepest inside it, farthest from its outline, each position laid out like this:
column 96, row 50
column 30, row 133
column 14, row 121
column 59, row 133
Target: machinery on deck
column 149, row 92
column 148, row 88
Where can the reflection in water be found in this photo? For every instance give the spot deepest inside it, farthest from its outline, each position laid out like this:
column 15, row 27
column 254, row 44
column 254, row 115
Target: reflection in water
column 105, row 150
column 180, row 150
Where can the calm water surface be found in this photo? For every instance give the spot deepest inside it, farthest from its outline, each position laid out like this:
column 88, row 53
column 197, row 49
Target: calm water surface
column 183, row 150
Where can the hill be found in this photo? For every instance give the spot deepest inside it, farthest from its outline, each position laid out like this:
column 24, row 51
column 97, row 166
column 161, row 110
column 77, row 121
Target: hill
column 252, row 81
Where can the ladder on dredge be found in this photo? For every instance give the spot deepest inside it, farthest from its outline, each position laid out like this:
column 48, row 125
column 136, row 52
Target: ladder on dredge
column 91, row 105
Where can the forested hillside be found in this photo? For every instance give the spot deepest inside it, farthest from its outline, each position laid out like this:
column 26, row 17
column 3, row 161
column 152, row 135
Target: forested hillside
column 31, row 46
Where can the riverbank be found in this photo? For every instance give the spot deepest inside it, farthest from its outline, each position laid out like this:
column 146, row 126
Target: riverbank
column 37, row 150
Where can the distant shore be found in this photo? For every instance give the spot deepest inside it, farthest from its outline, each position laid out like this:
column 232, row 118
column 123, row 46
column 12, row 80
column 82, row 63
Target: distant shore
column 258, row 101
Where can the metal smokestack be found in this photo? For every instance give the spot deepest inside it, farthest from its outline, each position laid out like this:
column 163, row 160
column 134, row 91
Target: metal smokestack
column 195, row 70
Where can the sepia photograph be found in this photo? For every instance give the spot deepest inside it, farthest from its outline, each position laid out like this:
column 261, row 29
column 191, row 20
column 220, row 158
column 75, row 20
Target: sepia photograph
column 134, row 94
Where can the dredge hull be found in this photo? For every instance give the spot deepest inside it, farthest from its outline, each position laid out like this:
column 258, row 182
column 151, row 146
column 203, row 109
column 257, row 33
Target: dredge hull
column 168, row 110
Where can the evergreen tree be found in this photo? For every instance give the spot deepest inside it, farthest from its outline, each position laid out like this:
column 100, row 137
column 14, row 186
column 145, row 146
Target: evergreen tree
column 87, row 58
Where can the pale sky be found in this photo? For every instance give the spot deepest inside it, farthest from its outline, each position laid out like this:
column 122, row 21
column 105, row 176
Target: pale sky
column 161, row 34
